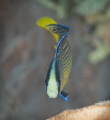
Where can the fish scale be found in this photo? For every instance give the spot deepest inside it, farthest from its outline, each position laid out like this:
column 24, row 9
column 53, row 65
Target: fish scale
column 57, row 28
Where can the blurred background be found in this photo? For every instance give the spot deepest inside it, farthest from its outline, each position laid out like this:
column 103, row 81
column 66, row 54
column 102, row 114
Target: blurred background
column 26, row 51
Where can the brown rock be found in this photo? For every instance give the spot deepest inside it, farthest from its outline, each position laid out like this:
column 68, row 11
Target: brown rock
column 98, row 111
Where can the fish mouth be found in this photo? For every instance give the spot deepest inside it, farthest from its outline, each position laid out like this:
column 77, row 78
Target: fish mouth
column 52, row 94
column 52, row 91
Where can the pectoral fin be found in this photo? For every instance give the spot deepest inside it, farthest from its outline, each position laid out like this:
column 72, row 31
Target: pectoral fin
column 64, row 95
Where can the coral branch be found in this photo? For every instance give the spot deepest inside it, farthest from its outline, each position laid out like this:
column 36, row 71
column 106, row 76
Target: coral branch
column 98, row 111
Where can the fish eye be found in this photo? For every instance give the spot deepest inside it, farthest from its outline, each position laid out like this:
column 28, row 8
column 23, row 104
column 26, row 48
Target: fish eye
column 58, row 82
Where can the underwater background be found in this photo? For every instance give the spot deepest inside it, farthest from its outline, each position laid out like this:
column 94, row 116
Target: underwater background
column 26, row 51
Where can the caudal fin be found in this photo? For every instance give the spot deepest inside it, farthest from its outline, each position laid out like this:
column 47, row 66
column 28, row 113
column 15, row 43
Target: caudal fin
column 44, row 22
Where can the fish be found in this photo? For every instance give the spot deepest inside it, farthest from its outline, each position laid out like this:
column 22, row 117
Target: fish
column 60, row 67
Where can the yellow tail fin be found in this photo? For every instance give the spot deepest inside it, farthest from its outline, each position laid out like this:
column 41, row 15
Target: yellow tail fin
column 43, row 21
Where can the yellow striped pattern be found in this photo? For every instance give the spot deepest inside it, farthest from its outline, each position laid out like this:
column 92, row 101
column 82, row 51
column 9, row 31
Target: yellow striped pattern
column 64, row 60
